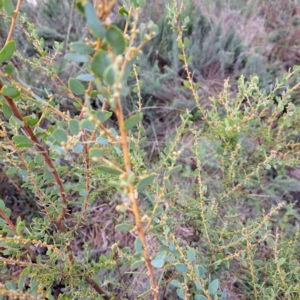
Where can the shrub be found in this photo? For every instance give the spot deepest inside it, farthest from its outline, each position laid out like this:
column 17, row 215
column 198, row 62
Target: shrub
column 109, row 222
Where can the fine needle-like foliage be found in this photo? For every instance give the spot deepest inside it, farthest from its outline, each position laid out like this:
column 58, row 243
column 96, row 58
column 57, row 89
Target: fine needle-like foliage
column 175, row 230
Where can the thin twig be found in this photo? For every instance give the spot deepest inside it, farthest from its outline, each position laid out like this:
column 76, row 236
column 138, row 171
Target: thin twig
column 22, row 263
column 13, row 21
column 96, row 287
column 131, row 192
column 43, row 151
column 133, row 200
column 13, row 228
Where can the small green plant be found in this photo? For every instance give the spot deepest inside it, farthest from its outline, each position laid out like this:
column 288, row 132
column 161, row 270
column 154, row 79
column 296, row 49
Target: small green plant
column 212, row 228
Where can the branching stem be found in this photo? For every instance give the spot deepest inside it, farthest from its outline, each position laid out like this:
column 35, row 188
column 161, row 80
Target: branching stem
column 13, row 228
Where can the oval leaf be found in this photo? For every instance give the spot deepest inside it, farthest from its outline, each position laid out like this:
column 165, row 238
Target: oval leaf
column 213, row 286
column 102, row 141
column 200, row 271
column 100, row 62
column 174, row 170
column 7, row 51
column 118, row 150
column 32, row 122
column 133, row 121
column 181, row 268
column 76, row 57
column 81, row 48
column 103, row 115
column 109, row 170
column 22, row 141
column 22, row 278
column 128, row 69
column 8, row 7
column 110, row 75
column 20, row 227
column 86, row 77
column 281, row 261
column 93, row 21
column 138, row 245
column 191, row 255
column 95, row 152
column 137, row 264
column 11, row 171
column 157, row 262
column 116, row 39
column 144, row 182
column 60, row 135
column 6, row 110
column 9, row 68
column 74, row 126
column 39, row 159
column 180, row 293
column 10, row 91
column 161, row 254
column 76, row 86
column 2, row 205
column 198, row 285
column 176, row 283
column 78, row 148
column 123, row 227
column 87, row 124
column 155, row 228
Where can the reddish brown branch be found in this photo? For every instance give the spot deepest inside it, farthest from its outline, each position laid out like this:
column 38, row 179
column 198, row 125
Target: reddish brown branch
column 43, row 151
column 8, row 221
column 47, row 159
column 97, row 288
column 13, row 228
